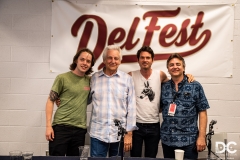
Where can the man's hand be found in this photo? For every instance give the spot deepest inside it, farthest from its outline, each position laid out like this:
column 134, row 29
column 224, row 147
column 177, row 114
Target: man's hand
column 49, row 133
column 201, row 144
column 128, row 142
column 58, row 101
column 190, row 78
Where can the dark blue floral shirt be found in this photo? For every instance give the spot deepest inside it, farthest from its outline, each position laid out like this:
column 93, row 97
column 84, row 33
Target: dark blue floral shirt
column 182, row 128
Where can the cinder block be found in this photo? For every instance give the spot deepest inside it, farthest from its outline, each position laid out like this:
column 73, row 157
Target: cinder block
column 43, row 7
column 23, row 146
column 12, row 7
column 218, row 108
column 234, row 80
column 29, row 54
column 12, row 134
column 8, row 68
column 211, row 91
column 160, row 152
column 89, row 108
column 36, row 102
column 40, row 70
column 13, row 102
column 4, row 118
column 13, row 38
column 44, row 147
column 28, row 22
column 5, row 85
column 88, row 117
column 36, row 135
column 39, row 38
column 44, row 117
column 4, row 148
column 46, row 54
column 227, row 124
column 31, row 86
column 5, row 53
column 47, row 23
column 5, row 21
column 229, row 92
column 24, row 118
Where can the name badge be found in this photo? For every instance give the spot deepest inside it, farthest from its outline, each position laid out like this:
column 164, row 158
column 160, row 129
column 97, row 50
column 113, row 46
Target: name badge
column 172, row 109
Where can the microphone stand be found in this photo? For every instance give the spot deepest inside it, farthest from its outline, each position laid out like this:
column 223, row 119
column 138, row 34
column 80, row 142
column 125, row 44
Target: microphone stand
column 209, row 144
column 121, row 132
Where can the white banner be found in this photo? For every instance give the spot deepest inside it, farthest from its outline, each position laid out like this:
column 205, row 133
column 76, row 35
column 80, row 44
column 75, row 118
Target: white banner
column 202, row 34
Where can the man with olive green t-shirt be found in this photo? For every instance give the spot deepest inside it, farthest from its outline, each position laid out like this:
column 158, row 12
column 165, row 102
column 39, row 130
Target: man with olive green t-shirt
column 67, row 131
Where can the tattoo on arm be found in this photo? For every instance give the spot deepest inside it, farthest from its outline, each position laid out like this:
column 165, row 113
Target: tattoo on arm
column 53, row 96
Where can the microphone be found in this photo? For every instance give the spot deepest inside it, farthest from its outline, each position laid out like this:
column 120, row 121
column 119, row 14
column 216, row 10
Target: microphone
column 213, row 122
column 117, row 122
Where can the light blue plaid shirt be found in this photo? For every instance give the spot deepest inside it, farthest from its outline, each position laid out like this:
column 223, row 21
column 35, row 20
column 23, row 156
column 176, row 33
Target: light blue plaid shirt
column 113, row 97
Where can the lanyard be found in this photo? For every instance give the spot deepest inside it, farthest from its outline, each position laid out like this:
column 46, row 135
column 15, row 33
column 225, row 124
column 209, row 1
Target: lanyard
column 177, row 93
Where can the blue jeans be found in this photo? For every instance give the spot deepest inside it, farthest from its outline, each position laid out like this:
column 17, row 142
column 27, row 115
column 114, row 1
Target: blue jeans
column 150, row 134
column 100, row 148
column 190, row 151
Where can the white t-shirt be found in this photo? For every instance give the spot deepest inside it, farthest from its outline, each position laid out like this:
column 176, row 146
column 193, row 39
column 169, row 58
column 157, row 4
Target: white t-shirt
column 147, row 96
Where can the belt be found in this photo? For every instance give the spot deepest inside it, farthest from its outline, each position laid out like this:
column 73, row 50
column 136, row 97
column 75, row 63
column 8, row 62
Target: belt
column 148, row 124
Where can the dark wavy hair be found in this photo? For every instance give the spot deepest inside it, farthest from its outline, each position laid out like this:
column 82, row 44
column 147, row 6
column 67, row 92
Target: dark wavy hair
column 74, row 64
column 178, row 56
column 145, row 49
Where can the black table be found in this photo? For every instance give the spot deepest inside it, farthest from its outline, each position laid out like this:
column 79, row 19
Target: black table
column 89, row 158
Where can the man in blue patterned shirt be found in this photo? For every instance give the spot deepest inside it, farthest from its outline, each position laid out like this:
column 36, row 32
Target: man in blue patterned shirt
column 181, row 104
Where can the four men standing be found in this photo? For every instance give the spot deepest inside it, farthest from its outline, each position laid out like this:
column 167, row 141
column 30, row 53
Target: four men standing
column 115, row 95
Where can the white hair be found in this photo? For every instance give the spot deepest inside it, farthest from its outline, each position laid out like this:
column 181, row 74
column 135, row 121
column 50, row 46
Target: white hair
column 112, row 47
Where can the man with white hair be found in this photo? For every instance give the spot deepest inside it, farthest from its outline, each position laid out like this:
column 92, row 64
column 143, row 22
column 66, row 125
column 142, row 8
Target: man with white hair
column 113, row 97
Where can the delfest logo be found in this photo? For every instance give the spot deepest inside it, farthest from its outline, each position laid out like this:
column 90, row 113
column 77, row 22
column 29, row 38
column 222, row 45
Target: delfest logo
column 226, row 150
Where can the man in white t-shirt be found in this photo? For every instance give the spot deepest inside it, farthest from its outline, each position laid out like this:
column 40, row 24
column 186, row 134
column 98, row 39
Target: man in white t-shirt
column 147, row 85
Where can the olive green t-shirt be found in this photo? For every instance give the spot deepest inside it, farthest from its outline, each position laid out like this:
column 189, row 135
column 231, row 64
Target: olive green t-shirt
column 73, row 92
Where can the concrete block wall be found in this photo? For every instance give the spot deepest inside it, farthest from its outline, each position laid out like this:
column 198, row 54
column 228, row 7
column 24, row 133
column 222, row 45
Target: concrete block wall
column 25, row 79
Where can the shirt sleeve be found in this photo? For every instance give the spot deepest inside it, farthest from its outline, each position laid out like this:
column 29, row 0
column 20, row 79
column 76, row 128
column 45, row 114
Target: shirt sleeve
column 57, row 85
column 131, row 105
column 202, row 102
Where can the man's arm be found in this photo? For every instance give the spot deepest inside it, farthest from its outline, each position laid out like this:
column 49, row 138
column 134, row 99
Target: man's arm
column 131, row 117
column 190, row 78
column 53, row 96
column 163, row 77
column 201, row 141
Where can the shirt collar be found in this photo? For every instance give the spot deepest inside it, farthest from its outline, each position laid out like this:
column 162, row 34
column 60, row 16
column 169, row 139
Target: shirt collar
column 182, row 82
column 118, row 73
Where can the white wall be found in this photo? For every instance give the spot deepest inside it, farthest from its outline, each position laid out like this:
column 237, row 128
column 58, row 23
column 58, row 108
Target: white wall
column 25, row 80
